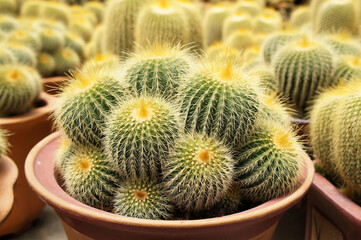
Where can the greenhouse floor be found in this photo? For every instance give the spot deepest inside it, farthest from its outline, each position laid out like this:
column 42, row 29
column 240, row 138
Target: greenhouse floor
column 49, row 227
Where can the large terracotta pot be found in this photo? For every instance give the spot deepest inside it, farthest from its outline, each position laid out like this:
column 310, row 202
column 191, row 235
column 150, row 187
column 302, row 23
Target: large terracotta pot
column 330, row 214
column 25, row 131
column 84, row 222
column 8, row 176
column 53, row 85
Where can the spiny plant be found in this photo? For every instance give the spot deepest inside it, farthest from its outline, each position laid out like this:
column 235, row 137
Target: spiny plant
column 89, row 177
column 97, row 38
column 139, row 134
column 26, row 38
column 240, row 39
column 158, row 69
column 221, row 52
column 249, row 6
column 213, row 22
column 347, row 68
column 143, row 199
column 97, row 8
column 45, row 64
column 82, row 27
column 100, row 61
column 343, row 43
column 23, row 54
column 274, row 108
column 51, row 40
column 267, row 23
column 18, row 90
column 314, row 9
column 85, row 103
column 31, row 8
column 301, row 69
column 198, row 172
column 221, row 99
column 8, row 7
column 73, row 41
column 3, row 142
column 162, row 21
column 300, row 17
column 65, row 59
column 63, row 154
column 55, row 10
column 120, row 19
column 6, row 56
column 269, row 163
column 266, row 77
column 239, row 20
column 8, row 23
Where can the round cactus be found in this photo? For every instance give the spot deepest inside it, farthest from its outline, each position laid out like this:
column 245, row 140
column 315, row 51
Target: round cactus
column 46, row 64
column 6, row 56
column 81, row 27
column 52, row 24
column 8, row 7
column 31, row 8
column 198, row 173
column 266, row 77
column 55, row 10
column 214, row 18
column 157, row 70
column 314, row 9
column 163, row 22
column 302, row 69
column 269, row 163
column 18, row 90
column 220, row 99
column 76, row 43
column 346, row 69
column 139, row 134
column 143, row 199
column 239, row 20
column 97, row 38
column 65, row 59
column 51, row 40
column 343, row 44
column 8, row 23
column 267, row 23
column 3, row 142
column 240, row 39
column 26, row 38
column 89, row 177
column 274, row 108
column 63, row 154
column 219, row 52
column 101, row 61
column 249, row 6
column 97, row 8
column 300, row 17
column 22, row 54
column 84, row 104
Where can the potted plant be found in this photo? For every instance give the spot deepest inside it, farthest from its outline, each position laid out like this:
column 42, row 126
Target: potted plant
column 137, row 152
column 335, row 133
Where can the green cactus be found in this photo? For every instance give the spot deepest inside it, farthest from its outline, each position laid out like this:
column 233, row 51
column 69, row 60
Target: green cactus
column 249, row 6
column 157, row 70
column 337, row 15
column 76, row 43
column 343, row 44
column 8, row 7
column 65, row 59
column 276, row 41
column 163, row 22
column 89, row 177
column 97, row 8
column 31, row 8
column 22, row 54
column 268, row 23
column 220, row 99
column 314, row 9
column 52, row 24
column 241, row 39
column 97, row 38
column 239, row 20
column 143, row 199
column 18, row 90
column 220, row 52
column 3, row 142
column 46, row 64
column 6, row 56
column 101, row 61
column 90, row 50
column 85, row 103
column 300, row 17
column 139, row 134
column 213, row 23
column 302, row 69
column 82, row 27
column 36, row 79
column 266, row 77
column 51, row 40
column 198, row 172
column 120, row 18
column 56, row 11
column 274, row 108
column 27, row 38
column 346, row 69
column 269, row 163
column 8, row 23
column 66, row 149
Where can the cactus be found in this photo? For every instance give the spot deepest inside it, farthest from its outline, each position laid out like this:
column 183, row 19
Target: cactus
column 101, row 61
column 251, row 7
column 214, row 18
column 274, row 108
column 275, row 42
column 97, row 8
column 337, row 15
column 163, row 22
column 300, row 17
column 46, row 64
column 314, row 9
column 22, row 54
column 267, row 23
column 6, row 56
column 65, row 59
column 31, row 8
column 26, row 38
column 302, row 69
column 82, row 27
column 86, row 102
column 120, row 18
column 63, row 154
column 51, row 40
column 56, row 11
column 36, row 79
column 143, row 199
column 157, row 70
column 97, row 38
column 8, row 23
column 220, row 99
column 268, row 164
column 3, row 142
column 139, row 134
column 18, row 90
column 343, row 44
column 266, row 77
column 240, row 39
column 346, row 69
column 220, row 52
column 89, row 177
column 52, row 24
column 76, row 43
column 198, row 173
column 8, row 7
column 239, row 20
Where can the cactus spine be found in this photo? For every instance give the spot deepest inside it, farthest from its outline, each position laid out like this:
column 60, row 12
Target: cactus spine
column 268, row 164
column 214, row 18
column 198, row 172
column 143, row 199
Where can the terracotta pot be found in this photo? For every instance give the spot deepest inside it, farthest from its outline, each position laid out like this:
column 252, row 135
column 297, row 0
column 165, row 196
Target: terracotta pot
column 84, row 222
column 26, row 130
column 8, row 176
column 330, row 214
column 52, row 85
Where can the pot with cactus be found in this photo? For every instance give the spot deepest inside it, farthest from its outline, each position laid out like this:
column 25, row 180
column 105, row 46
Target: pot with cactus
column 335, row 133
column 162, row 147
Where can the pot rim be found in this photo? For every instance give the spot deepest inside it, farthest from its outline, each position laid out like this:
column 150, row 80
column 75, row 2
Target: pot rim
column 268, row 209
column 34, row 113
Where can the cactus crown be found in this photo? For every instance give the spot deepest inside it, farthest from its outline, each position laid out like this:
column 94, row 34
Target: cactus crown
column 305, row 43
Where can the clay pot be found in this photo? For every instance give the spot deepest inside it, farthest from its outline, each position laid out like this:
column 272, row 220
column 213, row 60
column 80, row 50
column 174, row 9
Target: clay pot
column 84, row 222
column 25, row 131
column 330, row 214
column 8, row 176
column 52, row 85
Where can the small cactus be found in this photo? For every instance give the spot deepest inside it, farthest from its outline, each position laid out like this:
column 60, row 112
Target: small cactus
column 240, row 39
column 139, row 134
column 56, row 11
column 97, row 8
column 63, row 154
column 51, row 40
column 300, row 17
column 8, row 23
column 274, row 108
column 267, row 23
column 6, row 56
column 198, row 172
column 100, row 61
column 266, row 77
column 8, row 7
column 26, row 38
column 65, row 59
column 31, row 8
column 22, row 54
column 268, row 164
column 76, row 43
column 143, row 199
column 46, row 64
column 249, row 6
column 213, row 23
column 81, row 27
column 239, row 20
column 343, row 44
column 347, row 68
column 89, row 177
